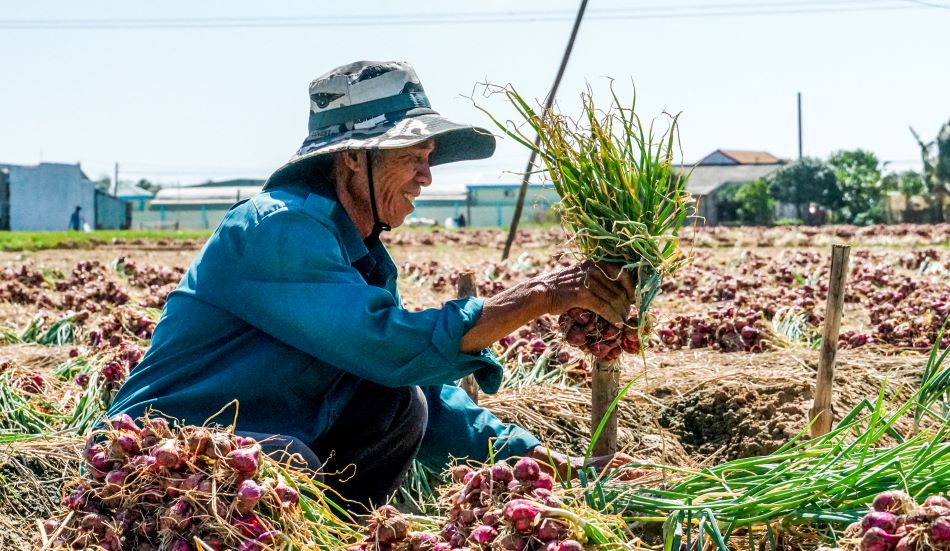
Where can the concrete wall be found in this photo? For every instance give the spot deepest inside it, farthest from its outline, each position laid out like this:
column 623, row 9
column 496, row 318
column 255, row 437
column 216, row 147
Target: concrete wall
column 112, row 213
column 495, row 205
column 43, row 197
column 186, row 218
column 439, row 210
column 4, row 199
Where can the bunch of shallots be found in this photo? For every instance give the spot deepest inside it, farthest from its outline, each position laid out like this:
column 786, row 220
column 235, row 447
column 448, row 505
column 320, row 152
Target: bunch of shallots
column 897, row 523
column 497, row 507
column 150, row 486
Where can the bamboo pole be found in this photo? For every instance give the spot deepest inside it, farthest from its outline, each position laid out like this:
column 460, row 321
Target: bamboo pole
column 821, row 410
column 467, row 288
column 604, row 386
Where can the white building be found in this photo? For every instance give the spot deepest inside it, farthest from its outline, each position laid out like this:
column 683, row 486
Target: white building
column 43, row 197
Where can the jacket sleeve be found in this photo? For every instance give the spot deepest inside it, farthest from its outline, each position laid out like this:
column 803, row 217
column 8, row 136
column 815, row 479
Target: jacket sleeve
column 287, row 276
column 458, row 428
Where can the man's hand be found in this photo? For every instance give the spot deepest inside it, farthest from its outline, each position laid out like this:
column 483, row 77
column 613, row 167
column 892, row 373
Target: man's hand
column 602, row 464
column 605, row 289
column 602, row 288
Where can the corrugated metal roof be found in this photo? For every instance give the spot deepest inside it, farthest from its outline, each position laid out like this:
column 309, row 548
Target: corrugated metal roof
column 204, row 195
column 507, row 186
column 442, row 198
column 746, row 157
column 130, row 190
column 705, row 179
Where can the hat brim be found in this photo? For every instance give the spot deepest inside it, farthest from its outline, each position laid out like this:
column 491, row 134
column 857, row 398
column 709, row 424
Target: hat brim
column 453, row 142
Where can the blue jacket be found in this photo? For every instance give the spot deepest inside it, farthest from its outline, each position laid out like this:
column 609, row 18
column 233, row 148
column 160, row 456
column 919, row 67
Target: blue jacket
column 285, row 309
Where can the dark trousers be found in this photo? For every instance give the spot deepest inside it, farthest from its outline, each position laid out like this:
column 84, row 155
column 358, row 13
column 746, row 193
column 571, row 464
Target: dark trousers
column 369, row 449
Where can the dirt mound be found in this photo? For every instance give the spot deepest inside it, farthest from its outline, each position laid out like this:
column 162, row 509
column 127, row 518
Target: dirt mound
column 560, row 417
column 733, row 419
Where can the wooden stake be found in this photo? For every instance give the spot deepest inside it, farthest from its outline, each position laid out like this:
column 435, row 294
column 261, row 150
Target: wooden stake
column 604, row 386
column 821, row 410
column 467, row 288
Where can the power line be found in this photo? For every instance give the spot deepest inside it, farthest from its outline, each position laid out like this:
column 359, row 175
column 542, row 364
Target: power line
column 617, row 14
column 929, row 4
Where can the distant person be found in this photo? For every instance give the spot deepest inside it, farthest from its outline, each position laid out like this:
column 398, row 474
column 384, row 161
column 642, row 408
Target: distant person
column 461, row 221
column 76, row 220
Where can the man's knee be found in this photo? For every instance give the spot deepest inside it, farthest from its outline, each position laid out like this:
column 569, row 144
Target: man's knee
column 284, row 448
column 416, row 415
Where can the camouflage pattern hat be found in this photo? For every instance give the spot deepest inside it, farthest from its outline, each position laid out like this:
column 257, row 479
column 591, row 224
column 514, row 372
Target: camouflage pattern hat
column 381, row 105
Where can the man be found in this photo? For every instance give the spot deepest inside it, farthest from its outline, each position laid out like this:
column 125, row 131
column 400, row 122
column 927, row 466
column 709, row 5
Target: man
column 75, row 219
column 292, row 308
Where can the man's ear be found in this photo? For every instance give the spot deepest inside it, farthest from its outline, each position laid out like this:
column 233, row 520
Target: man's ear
column 352, row 159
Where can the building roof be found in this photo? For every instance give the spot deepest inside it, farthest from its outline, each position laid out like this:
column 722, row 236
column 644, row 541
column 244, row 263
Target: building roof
column 53, row 170
column 243, row 182
column 129, row 190
column 506, row 186
column 740, row 156
column 430, row 198
column 705, row 179
column 200, row 195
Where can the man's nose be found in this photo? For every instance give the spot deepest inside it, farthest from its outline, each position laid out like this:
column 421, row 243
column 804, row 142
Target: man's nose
column 424, row 175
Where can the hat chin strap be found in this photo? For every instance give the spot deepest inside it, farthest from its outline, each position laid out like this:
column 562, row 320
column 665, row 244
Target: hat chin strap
column 378, row 225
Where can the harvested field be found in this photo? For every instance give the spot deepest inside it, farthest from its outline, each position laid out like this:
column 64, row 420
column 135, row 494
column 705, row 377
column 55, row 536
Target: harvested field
column 704, row 392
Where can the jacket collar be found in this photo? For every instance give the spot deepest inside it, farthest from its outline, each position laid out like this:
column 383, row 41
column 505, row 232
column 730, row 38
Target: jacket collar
column 321, row 199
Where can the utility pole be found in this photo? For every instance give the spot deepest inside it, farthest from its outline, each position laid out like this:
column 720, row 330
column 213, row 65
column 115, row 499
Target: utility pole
column 537, row 141
column 115, row 181
column 799, row 126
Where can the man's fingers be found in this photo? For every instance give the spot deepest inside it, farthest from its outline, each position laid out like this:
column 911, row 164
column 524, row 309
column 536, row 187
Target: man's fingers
column 609, row 291
column 629, row 286
column 621, row 283
column 607, row 311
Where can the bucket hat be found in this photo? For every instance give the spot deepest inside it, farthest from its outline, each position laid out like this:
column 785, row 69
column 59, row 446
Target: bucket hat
column 382, row 105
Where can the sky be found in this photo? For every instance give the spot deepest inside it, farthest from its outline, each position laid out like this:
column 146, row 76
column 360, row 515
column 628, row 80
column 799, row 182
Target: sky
column 183, row 92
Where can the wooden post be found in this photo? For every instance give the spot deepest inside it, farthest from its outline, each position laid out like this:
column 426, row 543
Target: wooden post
column 604, row 386
column 467, row 288
column 821, row 410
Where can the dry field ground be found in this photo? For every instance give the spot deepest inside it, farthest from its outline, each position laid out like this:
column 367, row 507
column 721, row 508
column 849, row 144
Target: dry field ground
column 706, row 390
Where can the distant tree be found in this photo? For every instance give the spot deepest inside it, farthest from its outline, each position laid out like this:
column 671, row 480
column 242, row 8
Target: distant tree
column 726, row 204
column 936, row 157
column 104, row 184
column 151, row 187
column 806, row 181
column 908, row 183
column 755, row 205
column 859, row 180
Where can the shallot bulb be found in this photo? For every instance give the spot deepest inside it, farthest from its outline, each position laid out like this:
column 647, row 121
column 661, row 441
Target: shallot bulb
column 124, row 422
column 484, row 535
column 244, row 460
column 502, row 472
column 166, row 454
column 527, row 469
column 893, row 501
column 248, row 495
column 876, row 539
column 940, row 529
column 522, row 514
column 882, row 519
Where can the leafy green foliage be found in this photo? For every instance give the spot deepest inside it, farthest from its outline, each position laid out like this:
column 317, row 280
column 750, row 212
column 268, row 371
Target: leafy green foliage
column 908, row 183
column 35, row 241
column 622, row 198
column 747, row 203
column 806, row 181
column 859, row 180
column 755, row 205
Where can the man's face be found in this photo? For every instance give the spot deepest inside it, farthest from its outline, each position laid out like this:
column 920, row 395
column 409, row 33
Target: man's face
column 400, row 175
